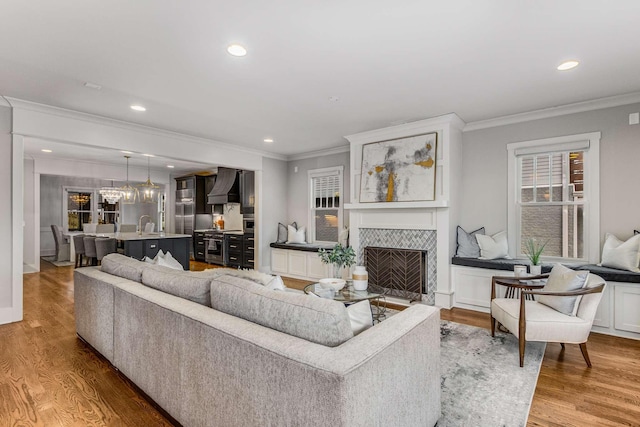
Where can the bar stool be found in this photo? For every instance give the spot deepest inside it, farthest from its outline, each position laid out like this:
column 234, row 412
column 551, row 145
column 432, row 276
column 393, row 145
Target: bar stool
column 78, row 244
column 105, row 246
column 90, row 249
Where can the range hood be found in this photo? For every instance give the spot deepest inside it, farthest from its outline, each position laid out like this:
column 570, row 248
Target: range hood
column 226, row 189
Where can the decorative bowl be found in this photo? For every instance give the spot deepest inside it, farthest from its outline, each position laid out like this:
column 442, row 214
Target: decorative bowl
column 333, row 284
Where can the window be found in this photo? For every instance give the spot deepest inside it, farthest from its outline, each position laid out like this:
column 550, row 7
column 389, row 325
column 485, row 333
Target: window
column 325, row 204
column 79, row 208
column 554, row 197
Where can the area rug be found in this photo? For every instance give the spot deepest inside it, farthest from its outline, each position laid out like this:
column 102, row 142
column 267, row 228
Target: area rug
column 52, row 260
column 482, row 381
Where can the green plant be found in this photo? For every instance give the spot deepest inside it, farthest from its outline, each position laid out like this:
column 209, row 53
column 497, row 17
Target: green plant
column 533, row 250
column 340, row 256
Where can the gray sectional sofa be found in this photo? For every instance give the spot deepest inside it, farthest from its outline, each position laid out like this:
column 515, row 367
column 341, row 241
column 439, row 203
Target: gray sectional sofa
column 218, row 350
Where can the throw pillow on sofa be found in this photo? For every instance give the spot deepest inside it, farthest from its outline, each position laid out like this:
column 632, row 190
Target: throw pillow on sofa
column 621, row 255
column 493, row 247
column 467, row 244
column 169, row 261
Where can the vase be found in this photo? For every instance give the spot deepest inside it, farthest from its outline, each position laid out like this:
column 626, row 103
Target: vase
column 535, row 270
column 360, row 278
column 337, row 271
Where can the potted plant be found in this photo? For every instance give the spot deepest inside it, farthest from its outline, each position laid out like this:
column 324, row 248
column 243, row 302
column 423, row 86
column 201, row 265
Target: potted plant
column 533, row 249
column 340, row 257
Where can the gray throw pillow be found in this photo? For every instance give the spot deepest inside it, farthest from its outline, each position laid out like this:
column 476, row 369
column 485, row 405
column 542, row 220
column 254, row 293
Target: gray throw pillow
column 563, row 279
column 468, row 244
column 283, row 232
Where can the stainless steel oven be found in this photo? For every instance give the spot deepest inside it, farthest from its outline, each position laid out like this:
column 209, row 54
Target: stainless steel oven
column 214, row 244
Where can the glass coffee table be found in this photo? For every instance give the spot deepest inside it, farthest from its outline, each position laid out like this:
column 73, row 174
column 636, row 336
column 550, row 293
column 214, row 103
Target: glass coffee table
column 348, row 296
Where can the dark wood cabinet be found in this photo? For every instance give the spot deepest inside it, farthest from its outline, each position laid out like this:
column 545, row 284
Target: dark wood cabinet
column 179, row 248
column 247, row 192
column 199, row 247
column 233, row 250
column 196, row 188
column 248, row 257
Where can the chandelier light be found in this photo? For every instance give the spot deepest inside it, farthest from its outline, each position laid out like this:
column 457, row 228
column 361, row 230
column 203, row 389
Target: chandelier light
column 80, row 198
column 111, row 194
column 148, row 189
column 129, row 193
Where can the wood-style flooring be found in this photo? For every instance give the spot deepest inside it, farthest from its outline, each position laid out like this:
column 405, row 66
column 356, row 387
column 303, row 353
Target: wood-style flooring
column 48, row 377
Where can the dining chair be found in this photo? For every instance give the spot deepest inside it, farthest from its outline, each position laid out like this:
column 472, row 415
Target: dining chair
column 90, row 250
column 63, row 247
column 104, row 246
column 105, row 228
column 78, row 244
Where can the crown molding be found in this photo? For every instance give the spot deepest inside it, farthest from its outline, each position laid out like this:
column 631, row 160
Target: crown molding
column 562, row 110
column 408, row 129
column 319, row 153
column 105, row 121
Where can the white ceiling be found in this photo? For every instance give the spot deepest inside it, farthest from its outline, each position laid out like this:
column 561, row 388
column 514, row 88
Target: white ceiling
column 386, row 62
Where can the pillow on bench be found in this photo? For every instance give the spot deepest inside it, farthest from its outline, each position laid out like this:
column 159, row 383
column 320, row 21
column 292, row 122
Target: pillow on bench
column 467, row 244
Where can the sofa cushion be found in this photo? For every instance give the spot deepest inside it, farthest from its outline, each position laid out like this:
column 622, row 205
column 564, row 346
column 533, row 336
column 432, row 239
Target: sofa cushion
column 318, row 320
column 179, row 283
column 123, row 266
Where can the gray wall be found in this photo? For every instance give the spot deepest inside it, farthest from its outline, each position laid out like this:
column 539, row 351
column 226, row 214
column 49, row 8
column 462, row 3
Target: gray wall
column 6, row 244
column 273, row 206
column 484, row 171
column 298, row 185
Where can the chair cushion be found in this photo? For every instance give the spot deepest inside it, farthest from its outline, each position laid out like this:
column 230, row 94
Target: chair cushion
column 563, row 279
column 317, row 320
column 543, row 323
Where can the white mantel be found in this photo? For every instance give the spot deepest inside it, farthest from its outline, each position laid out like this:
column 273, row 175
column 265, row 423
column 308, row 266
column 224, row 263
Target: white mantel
column 440, row 215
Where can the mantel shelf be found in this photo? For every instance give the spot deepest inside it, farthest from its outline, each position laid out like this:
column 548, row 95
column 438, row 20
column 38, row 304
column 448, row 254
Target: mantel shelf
column 398, row 205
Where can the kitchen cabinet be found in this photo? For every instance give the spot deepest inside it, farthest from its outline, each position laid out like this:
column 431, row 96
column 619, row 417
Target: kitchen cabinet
column 233, row 250
column 140, row 246
column 247, row 192
column 248, row 253
column 199, row 247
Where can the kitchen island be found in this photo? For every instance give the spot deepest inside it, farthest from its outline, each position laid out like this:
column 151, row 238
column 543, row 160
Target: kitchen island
column 148, row 244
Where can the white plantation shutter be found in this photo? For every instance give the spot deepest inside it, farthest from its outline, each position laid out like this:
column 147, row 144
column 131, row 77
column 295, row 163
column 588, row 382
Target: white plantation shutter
column 325, row 204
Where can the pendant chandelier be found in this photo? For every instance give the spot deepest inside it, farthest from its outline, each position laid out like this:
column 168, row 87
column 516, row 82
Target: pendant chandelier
column 111, row 194
column 148, row 189
column 129, row 193
column 80, row 198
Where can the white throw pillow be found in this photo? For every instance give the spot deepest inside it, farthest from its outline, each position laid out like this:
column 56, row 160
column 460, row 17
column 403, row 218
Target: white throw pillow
column 169, row 261
column 159, row 255
column 148, row 260
column 296, row 236
column 493, row 247
column 563, row 279
column 360, row 316
column 276, row 284
column 622, row 255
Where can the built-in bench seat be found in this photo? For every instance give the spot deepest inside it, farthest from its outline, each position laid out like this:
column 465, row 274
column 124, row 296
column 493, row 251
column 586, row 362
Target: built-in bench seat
column 299, row 260
column 617, row 313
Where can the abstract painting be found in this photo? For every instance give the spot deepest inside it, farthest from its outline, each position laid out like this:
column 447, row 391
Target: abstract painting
column 399, row 170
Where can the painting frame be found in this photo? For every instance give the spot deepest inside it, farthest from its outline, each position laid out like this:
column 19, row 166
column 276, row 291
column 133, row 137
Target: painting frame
column 399, row 170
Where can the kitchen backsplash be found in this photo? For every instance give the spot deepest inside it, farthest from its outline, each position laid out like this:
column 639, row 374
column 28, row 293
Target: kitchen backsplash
column 232, row 216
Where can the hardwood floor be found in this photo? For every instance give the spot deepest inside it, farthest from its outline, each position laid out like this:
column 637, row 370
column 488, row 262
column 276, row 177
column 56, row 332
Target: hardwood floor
column 48, row 377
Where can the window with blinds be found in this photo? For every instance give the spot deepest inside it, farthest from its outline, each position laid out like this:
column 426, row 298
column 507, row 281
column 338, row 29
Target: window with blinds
column 326, row 204
column 552, row 202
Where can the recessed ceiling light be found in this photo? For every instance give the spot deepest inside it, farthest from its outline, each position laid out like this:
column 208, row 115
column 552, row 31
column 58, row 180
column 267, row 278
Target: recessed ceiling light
column 334, row 99
column 567, row 65
column 170, row 166
column 148, row 155
column 138, row 108
column 46, row 150
column 236, row 50
column 126, row 152
column 268, row 140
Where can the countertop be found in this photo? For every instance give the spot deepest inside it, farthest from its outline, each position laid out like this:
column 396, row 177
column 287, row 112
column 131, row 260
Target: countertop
column 144, row 236
column 209, row 230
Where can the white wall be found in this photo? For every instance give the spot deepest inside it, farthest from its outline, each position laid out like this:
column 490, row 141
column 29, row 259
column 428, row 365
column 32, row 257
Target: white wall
column 484, row 180
column 298, row 185
column 30, row 253
column 272, row 207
